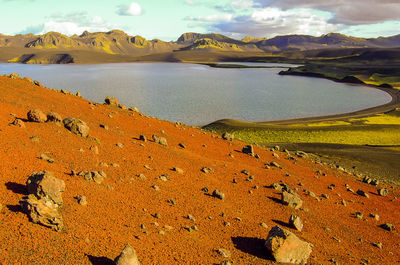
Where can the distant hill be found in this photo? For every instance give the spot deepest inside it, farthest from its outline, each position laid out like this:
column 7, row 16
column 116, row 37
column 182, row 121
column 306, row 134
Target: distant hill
column 56, row 47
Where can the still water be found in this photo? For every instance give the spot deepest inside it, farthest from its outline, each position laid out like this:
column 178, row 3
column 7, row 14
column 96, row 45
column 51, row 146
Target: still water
column 197, row 94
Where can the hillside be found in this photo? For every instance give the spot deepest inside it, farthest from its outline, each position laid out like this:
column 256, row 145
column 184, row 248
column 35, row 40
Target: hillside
column 159, row 198
column 50, row 47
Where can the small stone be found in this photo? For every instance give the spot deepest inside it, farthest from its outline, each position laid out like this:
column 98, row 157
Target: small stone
column 248, row 149
column 54, row 117
column 264, row 225
column 286, row 247
column 358, row 215
column 227, row 136
column 181, row 145
column 81, row 199
column 120, row 145
column 325, row 196
column 178, row 170
column 224, row 252
column 105, row 127
column 383, row 192
column 36, row 115
column 218, row 194
column 274, row 164
column 157, row 216
column 111, row 101
column 18, row 123
column 142, row 138
column 206, row 170
column 291, row 199
column 375, row 216
column 191, row 217
column 378, row 244
column 362, row 193
column 388, row 227
column 141, row 176
column 296, row 222
column 76, row 126
column 160, row 140
column 128, row 256
column 155, row 187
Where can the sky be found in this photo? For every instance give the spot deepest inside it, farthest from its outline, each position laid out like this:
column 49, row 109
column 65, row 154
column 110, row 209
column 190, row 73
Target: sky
column 168, row 19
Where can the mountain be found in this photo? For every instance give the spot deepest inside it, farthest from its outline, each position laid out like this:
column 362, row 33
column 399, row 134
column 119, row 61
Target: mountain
column 117, row 45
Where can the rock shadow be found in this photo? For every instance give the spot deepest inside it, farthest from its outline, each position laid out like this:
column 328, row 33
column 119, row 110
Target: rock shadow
column 281, row 223
column 253, row 246
column 100, row 260
column 275, row 199
column 15, row 208
column 17, row 188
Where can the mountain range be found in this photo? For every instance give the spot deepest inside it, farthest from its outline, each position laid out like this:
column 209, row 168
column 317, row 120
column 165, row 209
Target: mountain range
column 54, row 47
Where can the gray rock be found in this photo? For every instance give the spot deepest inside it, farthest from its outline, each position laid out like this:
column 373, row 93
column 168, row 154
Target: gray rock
column 76, row 126
column 160, row 140
column 206, row 170
column 248, row 149
column 53, row 117
column 228, row 136
column 111, row 101
column 18, row 123
column 224, row 252
column 36, row 115
column 42, row 211
column 81, row 199
column 45, row 186
column 291, row 199
column 286, row 247
column 128, row 256
column 383, row 192
column 388, row 227
column 296, row 222
column 218, row 194
column 362, row 193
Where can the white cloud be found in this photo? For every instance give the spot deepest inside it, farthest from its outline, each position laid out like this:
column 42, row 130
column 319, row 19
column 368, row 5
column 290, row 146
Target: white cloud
column 134, row 9
column 242, row 3
column 268, row 22
column 70, row 24
column 190, row 2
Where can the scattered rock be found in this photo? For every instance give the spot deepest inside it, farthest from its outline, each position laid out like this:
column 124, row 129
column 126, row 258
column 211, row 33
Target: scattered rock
column 296, row 222
column 18, row 123
column 206, row 170
column 42, row 211
column 134, row 109
column 248, row 149
column 181, row 145
column 160, row 140
column 36, row 115
column 128, row 256
column 291, row 199
column 286, row 247
column 388, row 227
column 378, row 244
column 218, row 194
column 45, row 186
column 358, row 215
column 383, row 192
column 178, row 170
column 53, row 117
column 13, row 76
column 227, row 136
column 46, row 158
column 264, row 225
column 111, row 101
column 81, row 199
column 37, row 83
column 142, row 138
column 76, row 126
column 224, row 252
column 362, row 193
column 191, row 217
column 274, row 164
column 301, row 154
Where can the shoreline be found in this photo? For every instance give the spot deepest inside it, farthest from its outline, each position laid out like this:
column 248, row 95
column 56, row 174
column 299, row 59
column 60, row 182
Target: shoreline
column 393, row 104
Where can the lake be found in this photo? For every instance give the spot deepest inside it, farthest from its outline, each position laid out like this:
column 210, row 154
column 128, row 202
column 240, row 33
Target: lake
column 197, row 94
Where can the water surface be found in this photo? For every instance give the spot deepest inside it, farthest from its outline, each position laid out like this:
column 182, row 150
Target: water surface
column 197, row 94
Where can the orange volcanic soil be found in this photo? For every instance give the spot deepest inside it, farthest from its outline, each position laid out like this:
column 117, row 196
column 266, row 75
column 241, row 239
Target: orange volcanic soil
column 117, row 208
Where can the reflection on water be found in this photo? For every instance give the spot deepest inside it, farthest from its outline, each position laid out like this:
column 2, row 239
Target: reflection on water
column 197, row 94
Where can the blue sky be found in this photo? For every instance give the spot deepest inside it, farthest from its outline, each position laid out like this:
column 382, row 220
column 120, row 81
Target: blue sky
column 168, row 19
